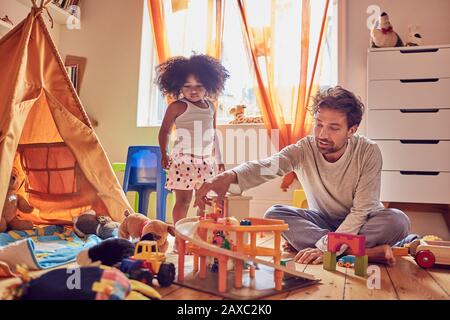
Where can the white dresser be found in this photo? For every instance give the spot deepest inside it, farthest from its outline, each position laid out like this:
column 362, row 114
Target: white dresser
column 408, row 100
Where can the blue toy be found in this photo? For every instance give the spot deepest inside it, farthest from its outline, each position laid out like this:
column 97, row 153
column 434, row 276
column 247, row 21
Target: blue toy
column 346, row 261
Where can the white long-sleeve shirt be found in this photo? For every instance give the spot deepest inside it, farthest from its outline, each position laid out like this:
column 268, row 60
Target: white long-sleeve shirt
column 348, row 188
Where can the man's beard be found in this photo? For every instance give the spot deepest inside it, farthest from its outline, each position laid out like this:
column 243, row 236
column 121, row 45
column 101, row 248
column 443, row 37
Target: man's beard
column 330, row 148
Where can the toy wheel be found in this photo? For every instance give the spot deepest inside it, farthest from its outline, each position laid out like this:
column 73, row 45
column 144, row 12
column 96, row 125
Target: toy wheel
column 340, row 264
column 146, row 277
column 142, row 275
column 166, row 274
column 425, row 258
column 348, row 265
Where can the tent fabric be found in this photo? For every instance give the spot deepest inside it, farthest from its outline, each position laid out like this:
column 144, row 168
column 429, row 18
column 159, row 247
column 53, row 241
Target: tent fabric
column 46, row 134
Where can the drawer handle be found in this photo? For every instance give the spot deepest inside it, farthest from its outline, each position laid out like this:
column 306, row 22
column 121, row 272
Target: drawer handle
column 420, row 50
column 420, row 173
column 419, row 80
column 419, row 110
column 419, row 141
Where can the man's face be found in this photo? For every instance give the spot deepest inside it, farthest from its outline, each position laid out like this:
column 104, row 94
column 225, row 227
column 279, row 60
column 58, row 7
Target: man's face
column 331, row 131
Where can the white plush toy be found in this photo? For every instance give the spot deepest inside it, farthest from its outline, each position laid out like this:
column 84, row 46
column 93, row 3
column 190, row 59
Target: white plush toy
column 414, row 38
column 384, row 35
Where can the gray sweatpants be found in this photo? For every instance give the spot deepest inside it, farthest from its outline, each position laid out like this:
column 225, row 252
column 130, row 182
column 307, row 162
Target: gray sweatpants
column 306, row 227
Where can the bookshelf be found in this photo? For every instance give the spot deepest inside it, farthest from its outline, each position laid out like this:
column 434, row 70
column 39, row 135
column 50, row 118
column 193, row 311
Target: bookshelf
column 4, row 28
column 58, row 14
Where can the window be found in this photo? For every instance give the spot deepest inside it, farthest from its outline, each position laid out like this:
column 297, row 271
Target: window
column 239, row 87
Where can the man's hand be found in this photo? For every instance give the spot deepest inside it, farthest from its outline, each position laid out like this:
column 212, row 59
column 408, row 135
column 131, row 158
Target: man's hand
column 309, row 255
column 219, row 184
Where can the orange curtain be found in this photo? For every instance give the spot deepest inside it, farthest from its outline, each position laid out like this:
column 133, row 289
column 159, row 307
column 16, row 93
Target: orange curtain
column 173, row 39
column 156, row 12
column 166, row 45
column 279, row 38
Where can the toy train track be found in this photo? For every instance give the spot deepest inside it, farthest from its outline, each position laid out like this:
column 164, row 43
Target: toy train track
column 186, row 229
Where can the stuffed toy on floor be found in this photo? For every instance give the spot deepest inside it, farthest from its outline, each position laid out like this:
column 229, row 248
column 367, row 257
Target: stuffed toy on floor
column 108, row 252
column 85, row 283
column 89, row 223
column 13, row 202
column 385, row 36
column 138, row 226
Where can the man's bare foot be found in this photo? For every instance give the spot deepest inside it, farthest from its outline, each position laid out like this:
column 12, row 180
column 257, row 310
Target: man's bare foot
column 381, row 254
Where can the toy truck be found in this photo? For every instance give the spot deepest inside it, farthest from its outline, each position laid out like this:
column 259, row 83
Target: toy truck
column 428, row 253
column 346, row 261
column 148, row 263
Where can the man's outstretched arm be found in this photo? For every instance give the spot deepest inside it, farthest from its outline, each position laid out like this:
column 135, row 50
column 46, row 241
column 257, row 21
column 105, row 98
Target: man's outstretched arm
column 252, row 174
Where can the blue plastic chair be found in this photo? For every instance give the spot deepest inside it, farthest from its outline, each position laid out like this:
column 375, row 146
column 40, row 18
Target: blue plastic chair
column 144, row 174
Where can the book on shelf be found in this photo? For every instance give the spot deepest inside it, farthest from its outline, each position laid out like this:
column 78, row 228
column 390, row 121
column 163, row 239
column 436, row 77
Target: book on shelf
column 72, row 71
column 66, row 5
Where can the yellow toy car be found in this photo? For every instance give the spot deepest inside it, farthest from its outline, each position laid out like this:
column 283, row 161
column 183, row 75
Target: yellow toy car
column 147, row 263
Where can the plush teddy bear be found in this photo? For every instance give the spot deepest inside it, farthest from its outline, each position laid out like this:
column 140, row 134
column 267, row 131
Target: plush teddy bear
column 9, row 219
column 385, row 36
column 138, row 226
column 239, row 117
column 89, row 223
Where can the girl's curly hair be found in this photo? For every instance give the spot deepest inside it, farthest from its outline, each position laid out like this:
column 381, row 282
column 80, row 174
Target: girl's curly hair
column 171, row 74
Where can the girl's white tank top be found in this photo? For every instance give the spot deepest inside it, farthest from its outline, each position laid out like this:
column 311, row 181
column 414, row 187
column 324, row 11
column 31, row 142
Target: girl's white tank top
column 195, row 130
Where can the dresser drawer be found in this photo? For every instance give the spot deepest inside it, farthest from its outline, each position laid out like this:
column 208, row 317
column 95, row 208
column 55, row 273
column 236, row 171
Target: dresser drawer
column 414, row 155
column 397, row 187
column 396, row 125
column 409, row 94
column 414, row 63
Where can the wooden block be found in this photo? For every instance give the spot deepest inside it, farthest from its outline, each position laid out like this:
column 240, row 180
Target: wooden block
column 356, row 243
column 329, row 260
column 361, row 264
column 400, row 251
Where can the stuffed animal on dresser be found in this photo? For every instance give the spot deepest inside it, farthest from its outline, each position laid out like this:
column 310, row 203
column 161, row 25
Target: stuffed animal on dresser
column 13, row 202
column 414, row 38
column 384, row 35
column 239, row 116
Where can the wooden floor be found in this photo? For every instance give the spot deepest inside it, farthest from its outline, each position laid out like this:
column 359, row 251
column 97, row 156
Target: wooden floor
column 405, row 281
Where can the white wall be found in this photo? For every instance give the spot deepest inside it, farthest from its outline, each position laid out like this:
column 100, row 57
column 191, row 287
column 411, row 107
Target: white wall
column 17, row 11
column 110, row 38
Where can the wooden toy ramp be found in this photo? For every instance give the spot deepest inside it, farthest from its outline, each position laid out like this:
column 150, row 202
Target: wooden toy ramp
column 262, row 285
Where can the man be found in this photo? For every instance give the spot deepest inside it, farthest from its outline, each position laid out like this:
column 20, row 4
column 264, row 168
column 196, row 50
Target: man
column 340, row 172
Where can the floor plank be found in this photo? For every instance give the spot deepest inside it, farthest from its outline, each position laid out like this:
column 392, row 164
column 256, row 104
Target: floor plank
column 167, row 290
column 331, row 286
column 189, row 294
column 357, row 288
column 413, row 283
column 441, row 275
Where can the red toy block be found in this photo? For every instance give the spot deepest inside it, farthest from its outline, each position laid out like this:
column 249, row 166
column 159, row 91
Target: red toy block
column 356, row 243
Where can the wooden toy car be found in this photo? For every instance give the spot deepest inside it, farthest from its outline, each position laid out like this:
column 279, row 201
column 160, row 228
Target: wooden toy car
column 429, row 253
column 148, row 262
column 346, row 261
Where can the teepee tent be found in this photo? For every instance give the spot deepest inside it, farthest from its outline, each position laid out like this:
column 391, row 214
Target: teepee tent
column 46, row 134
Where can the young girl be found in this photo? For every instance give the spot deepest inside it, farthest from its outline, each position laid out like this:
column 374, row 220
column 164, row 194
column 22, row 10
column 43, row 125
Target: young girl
column 195, row 151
